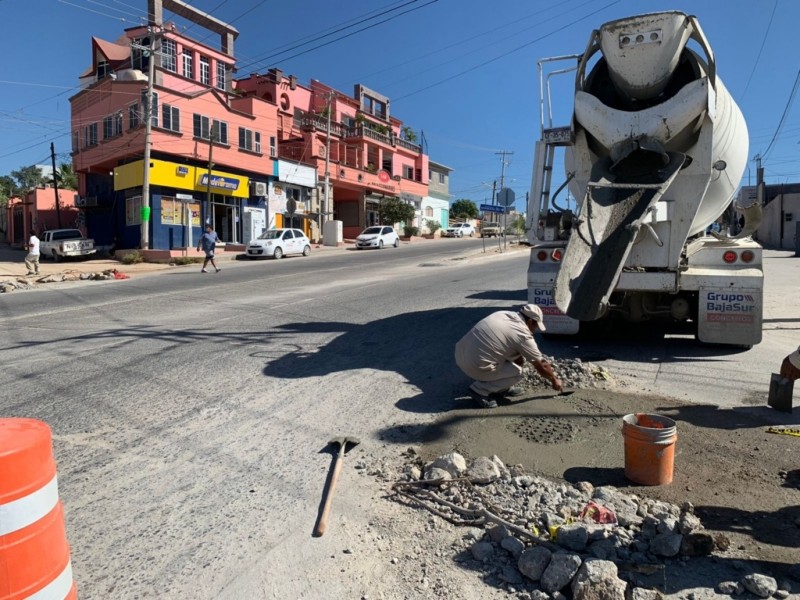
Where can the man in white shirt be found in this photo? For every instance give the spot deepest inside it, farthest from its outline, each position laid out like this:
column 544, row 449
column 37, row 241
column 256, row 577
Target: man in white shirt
column 495, row 349
column 32, row 260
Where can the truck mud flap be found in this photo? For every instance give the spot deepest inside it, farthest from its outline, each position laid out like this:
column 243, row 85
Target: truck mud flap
column 609, row 221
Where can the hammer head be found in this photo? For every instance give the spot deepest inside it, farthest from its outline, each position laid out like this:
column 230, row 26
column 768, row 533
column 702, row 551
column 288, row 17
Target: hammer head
column 343, row 442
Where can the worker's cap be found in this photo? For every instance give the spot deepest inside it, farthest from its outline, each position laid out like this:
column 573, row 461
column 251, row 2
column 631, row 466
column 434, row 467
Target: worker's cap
column 531, row 311
column 794, row 358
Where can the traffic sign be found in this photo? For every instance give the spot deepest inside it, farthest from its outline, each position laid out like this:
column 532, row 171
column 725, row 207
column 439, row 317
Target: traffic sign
column 505, row 197
column 492, row 208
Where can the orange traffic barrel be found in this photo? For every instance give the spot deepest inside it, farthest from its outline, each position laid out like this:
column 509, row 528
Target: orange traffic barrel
column 34, row 554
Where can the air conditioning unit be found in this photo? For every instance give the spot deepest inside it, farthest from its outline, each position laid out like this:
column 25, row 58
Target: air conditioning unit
column 258, row 188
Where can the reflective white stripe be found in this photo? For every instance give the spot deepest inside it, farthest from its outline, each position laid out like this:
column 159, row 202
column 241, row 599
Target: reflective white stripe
column 28, row 509
column 56, row 589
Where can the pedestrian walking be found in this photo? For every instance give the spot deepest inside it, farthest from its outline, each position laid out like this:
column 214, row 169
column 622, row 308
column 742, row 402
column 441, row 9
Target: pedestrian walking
column 32, row 259
column 208, row 242
column 494, row 351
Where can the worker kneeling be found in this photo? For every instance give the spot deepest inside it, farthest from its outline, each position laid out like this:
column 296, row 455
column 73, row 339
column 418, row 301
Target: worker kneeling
column 494, row 351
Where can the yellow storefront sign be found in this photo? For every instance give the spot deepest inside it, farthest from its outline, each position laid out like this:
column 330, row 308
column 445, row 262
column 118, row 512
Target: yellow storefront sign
column 181, row 177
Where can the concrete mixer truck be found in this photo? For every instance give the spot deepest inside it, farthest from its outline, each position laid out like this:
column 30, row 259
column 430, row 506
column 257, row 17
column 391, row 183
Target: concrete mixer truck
column 653, row 157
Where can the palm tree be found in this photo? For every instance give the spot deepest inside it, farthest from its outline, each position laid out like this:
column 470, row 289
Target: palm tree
column 66, row 177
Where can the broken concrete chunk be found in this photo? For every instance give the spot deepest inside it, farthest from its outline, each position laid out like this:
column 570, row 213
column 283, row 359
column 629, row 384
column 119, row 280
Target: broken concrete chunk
column 533, row 561
column 597, row 580
column 762, row 586
column 560, row 571
column 453, row 463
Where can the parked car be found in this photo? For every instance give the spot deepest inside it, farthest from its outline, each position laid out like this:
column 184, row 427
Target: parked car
column 377, row 237
column 491, row 229
column 278, row 243
column 459, row 230
column 59, row 244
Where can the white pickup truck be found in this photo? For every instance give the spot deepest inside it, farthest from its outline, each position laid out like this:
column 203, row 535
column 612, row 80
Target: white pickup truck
column 62, row 243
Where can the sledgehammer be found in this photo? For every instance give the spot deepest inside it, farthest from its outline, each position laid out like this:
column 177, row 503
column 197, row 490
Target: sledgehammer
column 342, row 442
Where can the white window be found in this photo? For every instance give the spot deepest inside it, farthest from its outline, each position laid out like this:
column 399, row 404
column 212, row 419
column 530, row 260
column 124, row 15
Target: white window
column 441, row 177
column 249, row 140
column 201, row 127
column 139, row 59
column 205, row 70
column 408, row 172
column 169, row 53
column 90, row 135
column 187, row 64
column 133, row 210
column 273, row 146
column 102, row 68
column 154, row 113
column 112, row 126
column 219, row 129
column 221, row 77
column 76, row 141
column 170, row 117
column 133, row 115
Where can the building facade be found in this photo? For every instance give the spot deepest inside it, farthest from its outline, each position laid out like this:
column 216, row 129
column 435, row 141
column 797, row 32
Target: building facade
column 436, row 205
column 239, row 154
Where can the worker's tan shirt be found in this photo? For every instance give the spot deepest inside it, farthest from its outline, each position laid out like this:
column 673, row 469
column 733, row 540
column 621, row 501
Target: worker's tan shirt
column 501, row 337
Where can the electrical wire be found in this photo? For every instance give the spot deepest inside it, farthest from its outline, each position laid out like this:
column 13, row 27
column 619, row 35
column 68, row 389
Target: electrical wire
column 761, row 48
column 783, row 117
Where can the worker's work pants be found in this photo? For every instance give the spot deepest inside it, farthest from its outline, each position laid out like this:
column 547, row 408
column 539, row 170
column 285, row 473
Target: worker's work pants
column 491, row 382
column 32, row 262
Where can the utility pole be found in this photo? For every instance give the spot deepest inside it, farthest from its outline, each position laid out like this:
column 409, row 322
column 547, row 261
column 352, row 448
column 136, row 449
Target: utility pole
column 326, row 196
column 210, row 166
column 55, row 182
column 148, row 129
column 503, row 163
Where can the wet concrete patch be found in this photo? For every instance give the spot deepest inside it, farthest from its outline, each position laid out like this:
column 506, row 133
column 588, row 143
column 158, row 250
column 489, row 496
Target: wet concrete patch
column 543, row 430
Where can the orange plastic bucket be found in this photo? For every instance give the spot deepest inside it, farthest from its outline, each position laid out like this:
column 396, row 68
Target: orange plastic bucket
column 34, row 555
column 649, row 448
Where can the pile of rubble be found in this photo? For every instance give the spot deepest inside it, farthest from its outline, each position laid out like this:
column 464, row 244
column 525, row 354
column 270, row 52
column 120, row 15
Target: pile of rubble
column 25, row 283
column 573, row 373
column 545, row 540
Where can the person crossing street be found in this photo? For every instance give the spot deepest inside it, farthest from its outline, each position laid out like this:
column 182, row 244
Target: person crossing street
column 32, row 259
column 208, row 242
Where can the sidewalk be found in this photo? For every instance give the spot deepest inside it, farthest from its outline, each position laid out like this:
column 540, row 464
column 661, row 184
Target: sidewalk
column 12, row 262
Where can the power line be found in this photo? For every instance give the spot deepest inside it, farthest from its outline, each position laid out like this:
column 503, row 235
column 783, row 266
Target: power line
column 763, row 42
column 783, row 117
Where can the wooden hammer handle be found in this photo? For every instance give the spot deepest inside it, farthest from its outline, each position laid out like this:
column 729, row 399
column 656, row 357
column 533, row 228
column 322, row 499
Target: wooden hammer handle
column 326, row 509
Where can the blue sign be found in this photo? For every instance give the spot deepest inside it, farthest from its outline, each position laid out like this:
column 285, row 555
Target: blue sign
column 218, row 181
column 492, row 208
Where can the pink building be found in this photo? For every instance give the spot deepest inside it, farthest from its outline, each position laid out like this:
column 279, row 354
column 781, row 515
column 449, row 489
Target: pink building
column 369, row 159
column 38, row 211
column 242, row 155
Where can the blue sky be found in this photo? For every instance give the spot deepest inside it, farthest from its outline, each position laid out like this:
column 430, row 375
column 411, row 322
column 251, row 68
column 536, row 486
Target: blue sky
column 461, row 71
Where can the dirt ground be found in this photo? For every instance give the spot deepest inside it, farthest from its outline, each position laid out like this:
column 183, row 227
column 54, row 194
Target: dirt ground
column 743, row 481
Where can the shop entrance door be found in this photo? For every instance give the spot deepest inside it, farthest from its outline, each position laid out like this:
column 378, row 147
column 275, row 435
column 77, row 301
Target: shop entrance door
column 226, row 223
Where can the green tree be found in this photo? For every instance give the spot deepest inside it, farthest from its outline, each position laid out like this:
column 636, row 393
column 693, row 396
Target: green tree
column 66, row 177
column 28, row 178
column 464, row 209
column 394, row 210
column 433, row 225
column 408, row 134
column 8, row 188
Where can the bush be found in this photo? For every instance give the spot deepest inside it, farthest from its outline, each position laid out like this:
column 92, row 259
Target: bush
column 186, row 260
column 410, row 230
column 433, row 225
column 132, row 258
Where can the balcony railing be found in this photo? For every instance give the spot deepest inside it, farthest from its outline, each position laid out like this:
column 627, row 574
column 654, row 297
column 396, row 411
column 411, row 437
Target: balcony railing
column 309, row 121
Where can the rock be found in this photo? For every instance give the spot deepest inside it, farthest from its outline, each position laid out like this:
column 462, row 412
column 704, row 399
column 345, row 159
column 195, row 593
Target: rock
column 597, row 580
column 482, row 551
column 762, row 586
column 560, row 571
column 667, row 525
column 539, row 595
column 511, row 575
column 498, row 532
column 523, row 481
column 453, row 463
column 689, row 523
column 412, row 472
column 697, row 544
column 585, row 487
column 666, row 544
column 644, row 594
column 573, row 537
column 533, row 561
column 727, row 587
column 504, row 472
column 472, row 534
column 722, row 542
column 781, row 594
column 436, row 473
column 484, row 469
column 604, row 549
column 513, row 545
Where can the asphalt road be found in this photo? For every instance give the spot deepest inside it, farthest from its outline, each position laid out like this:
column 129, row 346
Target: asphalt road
column 190, row 410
